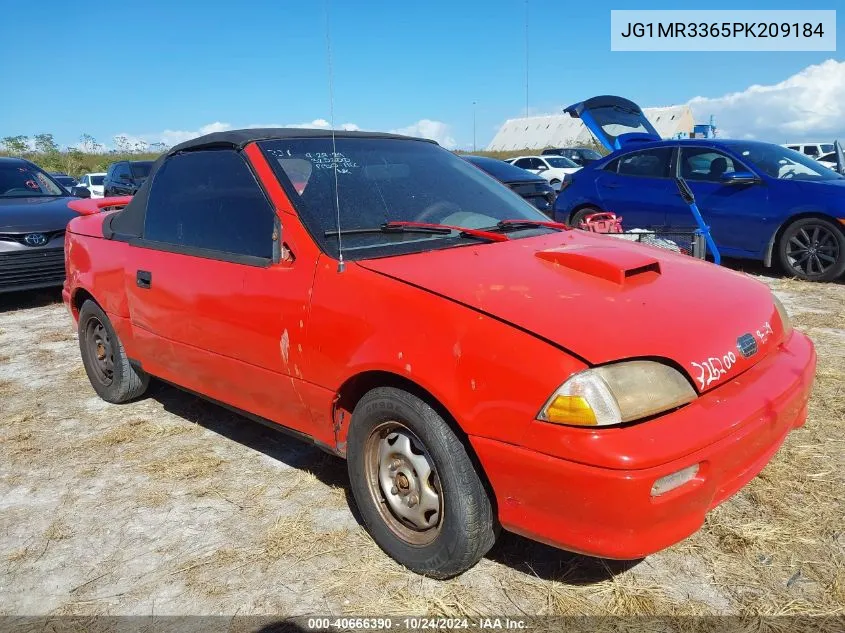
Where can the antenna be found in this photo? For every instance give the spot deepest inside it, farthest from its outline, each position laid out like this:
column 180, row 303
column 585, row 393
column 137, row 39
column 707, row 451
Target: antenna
column 341, row 264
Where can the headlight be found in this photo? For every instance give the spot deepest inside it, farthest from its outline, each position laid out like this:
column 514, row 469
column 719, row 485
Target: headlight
column 617, row 393
column 785, row 321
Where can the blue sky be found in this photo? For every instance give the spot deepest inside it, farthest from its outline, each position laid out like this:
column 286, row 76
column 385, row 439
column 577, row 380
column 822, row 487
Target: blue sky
column 180, row 66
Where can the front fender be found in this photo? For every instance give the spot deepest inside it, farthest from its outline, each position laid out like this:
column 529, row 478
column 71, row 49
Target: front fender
column 490, row 376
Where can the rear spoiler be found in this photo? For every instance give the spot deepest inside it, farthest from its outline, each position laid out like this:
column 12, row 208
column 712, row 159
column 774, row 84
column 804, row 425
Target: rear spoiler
column 91, row 206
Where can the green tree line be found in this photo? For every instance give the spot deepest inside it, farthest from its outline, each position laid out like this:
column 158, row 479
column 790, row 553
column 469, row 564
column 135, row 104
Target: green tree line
column 87, row 157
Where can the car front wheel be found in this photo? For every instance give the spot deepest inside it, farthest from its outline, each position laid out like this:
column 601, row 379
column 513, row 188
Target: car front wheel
column 813, row 249
column 418, row 492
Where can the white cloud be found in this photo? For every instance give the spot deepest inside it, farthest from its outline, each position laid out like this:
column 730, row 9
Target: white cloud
column 426, row 128
column 322, row 124
column 808, row 106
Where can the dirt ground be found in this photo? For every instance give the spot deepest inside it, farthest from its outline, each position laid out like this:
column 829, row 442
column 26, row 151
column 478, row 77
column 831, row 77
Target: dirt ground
column 172, row 505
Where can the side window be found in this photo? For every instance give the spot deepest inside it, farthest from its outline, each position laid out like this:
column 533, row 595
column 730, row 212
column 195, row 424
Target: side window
column 121, row 171
column 536, row 163
column 652, row 163
column 811, row 150
column 210, row 200
column 612, row 165
column 707, row 164
column 524, row 163
column 797, row 148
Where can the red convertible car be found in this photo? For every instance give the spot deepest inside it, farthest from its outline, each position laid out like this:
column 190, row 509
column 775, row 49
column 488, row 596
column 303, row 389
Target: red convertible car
column 478, row 366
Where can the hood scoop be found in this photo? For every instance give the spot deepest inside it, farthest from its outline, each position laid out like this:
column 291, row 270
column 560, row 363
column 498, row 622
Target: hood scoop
column 616, row 265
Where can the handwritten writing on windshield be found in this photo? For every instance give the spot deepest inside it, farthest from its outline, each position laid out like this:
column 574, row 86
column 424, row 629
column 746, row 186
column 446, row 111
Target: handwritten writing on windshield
column 328, row 160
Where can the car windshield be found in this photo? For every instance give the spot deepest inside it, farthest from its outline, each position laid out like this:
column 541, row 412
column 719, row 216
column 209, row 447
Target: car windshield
column 559, row 162
column 20, row 180
column 97, row 180
column 378, row 180
column 590, row 154
column 141, row 169
column 782, row 163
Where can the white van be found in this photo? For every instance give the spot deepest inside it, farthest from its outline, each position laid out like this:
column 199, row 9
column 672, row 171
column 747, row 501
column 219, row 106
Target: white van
column 813, row 150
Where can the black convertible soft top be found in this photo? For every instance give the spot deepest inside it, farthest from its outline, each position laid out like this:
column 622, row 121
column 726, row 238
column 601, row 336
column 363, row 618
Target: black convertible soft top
column 129, row 222
column 240, row 138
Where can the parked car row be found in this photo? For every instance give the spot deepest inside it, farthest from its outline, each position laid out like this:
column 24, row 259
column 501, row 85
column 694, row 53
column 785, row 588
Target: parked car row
column 762, row 201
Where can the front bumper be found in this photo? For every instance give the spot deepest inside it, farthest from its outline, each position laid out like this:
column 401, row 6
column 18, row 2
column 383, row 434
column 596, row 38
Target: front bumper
column 609, row 512
column 30, row 268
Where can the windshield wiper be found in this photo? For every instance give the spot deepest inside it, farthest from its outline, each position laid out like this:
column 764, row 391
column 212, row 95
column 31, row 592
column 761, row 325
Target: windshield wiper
column 506, row 225
column 397, row 226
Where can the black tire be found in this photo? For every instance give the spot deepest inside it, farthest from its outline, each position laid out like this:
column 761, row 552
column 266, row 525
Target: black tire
column 465, row 528
column 812, row 249
column 580, row 214
column 104, row 358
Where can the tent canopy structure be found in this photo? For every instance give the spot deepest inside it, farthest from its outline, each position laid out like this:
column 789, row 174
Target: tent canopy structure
column 561, row 130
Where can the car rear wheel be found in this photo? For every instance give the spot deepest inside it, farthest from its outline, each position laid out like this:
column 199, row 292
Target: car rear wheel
column 580, row 214
column 105, row 360
column 813, row 249
column 416, row 488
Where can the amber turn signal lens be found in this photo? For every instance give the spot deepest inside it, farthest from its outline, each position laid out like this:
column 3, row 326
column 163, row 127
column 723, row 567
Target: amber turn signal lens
column 571, row 410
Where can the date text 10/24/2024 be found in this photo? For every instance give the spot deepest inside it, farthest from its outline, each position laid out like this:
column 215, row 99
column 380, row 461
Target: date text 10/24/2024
column 416, row 624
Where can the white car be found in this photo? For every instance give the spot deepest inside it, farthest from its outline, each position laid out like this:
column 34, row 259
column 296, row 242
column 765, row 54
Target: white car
column 813, row 150
column 552, row 168
column 94, row 183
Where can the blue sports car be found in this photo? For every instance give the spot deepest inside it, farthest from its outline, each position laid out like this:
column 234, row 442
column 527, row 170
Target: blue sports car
column 761, row 201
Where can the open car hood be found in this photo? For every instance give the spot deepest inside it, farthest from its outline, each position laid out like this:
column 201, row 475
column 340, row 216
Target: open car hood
column 614, row 121
column 606, row 300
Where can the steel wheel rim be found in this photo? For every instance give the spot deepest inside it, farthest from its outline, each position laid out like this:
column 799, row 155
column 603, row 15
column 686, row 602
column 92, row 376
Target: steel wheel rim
column 404, row 483
column 813, row 250
column 100, row 351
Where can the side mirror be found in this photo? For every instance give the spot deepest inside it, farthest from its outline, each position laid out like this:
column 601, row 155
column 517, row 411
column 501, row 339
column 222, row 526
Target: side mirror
column 541, row 168
column 739, row 178
column 80, row 192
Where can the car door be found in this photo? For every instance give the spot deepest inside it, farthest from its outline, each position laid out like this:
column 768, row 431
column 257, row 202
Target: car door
column 213, row 305
column 638, row 186
column 733, row 210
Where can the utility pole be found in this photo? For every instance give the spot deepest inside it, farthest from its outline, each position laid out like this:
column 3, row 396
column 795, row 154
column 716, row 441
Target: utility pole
column 526, row 58
column 473, row 126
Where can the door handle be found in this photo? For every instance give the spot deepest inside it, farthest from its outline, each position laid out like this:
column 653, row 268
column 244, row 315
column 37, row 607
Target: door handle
column 144, row 279
column 611, row 185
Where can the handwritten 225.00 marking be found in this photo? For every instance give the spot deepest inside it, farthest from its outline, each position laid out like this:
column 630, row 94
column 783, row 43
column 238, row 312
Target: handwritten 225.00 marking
column 713, row 368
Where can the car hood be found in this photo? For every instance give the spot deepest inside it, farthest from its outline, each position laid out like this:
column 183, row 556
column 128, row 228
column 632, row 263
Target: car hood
column 604, row 299
column 18, row 215
column 829, row 187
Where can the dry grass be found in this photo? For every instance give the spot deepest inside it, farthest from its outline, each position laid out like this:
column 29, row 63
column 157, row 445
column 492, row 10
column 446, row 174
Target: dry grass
column 58, row 531
column 184, row 467
column 138, row 431
column 59, row 336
